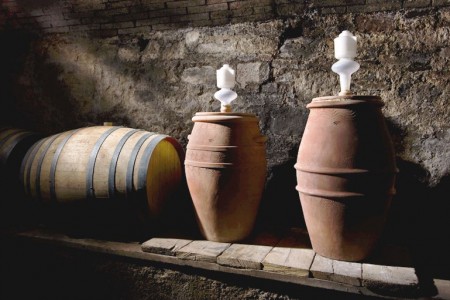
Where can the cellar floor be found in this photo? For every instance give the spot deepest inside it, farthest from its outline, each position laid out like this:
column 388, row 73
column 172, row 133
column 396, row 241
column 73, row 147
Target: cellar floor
column 389, row 273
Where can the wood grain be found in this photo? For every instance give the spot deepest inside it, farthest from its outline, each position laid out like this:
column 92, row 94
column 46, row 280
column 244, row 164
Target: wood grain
column 164, row 246
column 244, row 256
column 202, row 251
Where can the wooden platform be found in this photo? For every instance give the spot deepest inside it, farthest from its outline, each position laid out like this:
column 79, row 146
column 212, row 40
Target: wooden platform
column 286, row 259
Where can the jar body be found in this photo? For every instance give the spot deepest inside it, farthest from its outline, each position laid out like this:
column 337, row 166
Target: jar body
column 345, row 174
column 225, row 172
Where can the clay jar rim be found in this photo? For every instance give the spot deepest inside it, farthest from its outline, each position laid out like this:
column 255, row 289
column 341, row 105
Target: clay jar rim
column 219, row 117
column 343, row 101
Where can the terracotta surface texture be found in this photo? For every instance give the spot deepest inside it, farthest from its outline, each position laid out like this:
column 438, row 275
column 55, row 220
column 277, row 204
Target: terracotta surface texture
column 346, row 174
column 226, row 170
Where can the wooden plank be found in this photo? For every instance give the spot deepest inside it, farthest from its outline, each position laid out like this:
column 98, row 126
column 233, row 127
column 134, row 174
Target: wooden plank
column 443, row 287
column 164, row 246
column 292, row 255
column 244, row 256
column 389, row 280
column 202, row 251
column 334, row 270
column 289, row 261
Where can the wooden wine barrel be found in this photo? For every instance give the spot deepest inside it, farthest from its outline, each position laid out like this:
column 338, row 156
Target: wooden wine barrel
column 346, row 175
column 104, row 162
column 226, row 170
column 14, row 144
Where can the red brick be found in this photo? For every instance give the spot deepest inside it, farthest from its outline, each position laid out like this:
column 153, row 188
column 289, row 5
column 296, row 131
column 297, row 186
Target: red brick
column 441, row 2
column 121, row 4
column 218, row 22
column 150, row 6
column 106, row 33
column 208, row 2
column 135, row 30
column 64, row 29
column 390, row 5
column 416, row 3
column 84, row 27
column 325, row 3
column 131, row 17
column 202, row 23
column 249, row 3
column 206, row 8
column 169, row 26
column 185, row 3
column 118, row 25
column 242, row 12
column 112, row 12
column 59, row 23
column 152, row 21
column 168, row 12
column 193, row 17
column 221, row 14
column 290, row 9
column 154, row 1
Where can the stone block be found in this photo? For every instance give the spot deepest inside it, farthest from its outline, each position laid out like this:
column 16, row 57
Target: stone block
column 199, row 75
column 256, row 72
column 192, row 38
column 379, row 23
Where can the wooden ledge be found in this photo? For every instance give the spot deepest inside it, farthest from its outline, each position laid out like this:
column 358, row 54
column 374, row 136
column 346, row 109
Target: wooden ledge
column 289, row 259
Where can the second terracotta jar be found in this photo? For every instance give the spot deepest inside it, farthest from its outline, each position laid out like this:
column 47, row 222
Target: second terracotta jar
column 346, row 173
column 226, row 170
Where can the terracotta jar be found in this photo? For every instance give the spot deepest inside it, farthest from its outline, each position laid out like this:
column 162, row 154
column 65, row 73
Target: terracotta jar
column 346, row 174
column 226, row 171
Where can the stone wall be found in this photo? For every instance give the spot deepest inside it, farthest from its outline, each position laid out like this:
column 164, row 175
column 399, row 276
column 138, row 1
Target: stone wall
column 151, row 65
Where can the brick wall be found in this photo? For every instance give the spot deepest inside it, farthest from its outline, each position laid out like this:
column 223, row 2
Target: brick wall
column 106, row 18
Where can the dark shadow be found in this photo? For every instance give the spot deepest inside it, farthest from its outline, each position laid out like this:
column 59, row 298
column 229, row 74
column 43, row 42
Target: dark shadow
column 418, row 226
column 280, row 207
